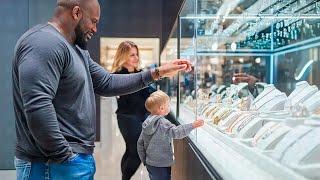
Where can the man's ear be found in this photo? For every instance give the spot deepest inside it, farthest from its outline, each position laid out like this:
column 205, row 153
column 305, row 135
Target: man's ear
column 76, row 13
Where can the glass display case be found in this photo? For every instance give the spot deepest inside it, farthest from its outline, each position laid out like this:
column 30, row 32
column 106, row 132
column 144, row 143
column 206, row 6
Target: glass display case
column 170, row 85
column 264, row 130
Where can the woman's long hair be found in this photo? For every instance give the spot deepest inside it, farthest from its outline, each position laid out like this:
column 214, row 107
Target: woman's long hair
column 122, row 54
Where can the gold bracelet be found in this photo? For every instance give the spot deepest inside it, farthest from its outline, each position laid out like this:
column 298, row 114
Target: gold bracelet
column 210, row 110
column 218, row 116
column 213, row 111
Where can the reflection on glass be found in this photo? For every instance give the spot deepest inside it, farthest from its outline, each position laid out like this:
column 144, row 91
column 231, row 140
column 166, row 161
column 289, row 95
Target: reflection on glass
column 214, row 74
column 299, row 65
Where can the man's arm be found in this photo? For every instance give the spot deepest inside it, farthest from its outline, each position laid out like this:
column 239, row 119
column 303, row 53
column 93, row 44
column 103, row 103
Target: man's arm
column 39, row 73
column 107, row 84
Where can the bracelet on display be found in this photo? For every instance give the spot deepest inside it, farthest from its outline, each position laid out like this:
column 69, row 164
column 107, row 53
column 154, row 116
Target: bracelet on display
column 265, row 132
column 210, row 109
column 237, row 121
column 213, row 111
column 245, row 123
column 221, row 114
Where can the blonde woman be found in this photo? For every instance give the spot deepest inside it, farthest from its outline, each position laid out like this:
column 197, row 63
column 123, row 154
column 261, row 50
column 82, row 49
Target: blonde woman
column 131, row 111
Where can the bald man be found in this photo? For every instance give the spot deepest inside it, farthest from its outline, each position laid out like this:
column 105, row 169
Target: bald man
column 54, row 87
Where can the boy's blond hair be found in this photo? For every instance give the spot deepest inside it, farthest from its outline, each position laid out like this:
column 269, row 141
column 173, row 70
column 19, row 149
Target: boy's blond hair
column 155, row 100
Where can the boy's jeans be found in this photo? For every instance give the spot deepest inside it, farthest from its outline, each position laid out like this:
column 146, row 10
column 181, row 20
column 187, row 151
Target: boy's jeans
column 159, row 173
column 81, row 166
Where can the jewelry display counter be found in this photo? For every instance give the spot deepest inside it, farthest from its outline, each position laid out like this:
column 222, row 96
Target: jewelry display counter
column 258, row 141
column 259, row 128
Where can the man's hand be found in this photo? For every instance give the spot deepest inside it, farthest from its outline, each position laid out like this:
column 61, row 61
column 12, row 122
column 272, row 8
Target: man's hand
column 243, row 77
column 197, row 123
column 172, row 68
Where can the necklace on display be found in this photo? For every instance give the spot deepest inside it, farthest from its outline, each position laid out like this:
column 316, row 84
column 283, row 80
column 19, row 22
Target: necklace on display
column 296, row 93
column 264, row 93
column 265, row 132
column 304, row 94
column 274, row 100
column 265, row 98
column 288, row 141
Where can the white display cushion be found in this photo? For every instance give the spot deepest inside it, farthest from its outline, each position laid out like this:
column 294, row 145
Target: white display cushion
column 313, row 102
column 313, row 121
column 305, row 94
column 232, row 158
column 231, row 128
column 249, row 130
column 266, row 99
column 269, row 135
column 295, row 121
column 305, row 151
column 274, row 114
column 299, row 86
column 267, row 127
column 311, row 171
column 240, row 125
column 269, row 142
column 276, row 103
column 267, row 90
column 288, row 140
column 269, row 95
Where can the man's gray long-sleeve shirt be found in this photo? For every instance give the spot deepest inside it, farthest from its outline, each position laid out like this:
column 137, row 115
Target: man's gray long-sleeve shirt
column 54, row 83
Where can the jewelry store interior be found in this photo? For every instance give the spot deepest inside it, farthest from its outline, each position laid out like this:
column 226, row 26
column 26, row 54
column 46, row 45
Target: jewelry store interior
column 265, row 126
column 271, row 133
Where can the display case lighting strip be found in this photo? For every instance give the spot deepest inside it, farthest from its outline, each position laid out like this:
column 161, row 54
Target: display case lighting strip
column 312, row 40
column 297, row 48
column 295, row 16
column 232, row 54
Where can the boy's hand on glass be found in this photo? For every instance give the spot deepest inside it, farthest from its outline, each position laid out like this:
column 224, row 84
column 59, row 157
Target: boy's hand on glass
column 197, row 123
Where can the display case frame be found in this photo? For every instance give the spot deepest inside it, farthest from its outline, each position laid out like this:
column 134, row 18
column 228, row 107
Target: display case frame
column 233, row 158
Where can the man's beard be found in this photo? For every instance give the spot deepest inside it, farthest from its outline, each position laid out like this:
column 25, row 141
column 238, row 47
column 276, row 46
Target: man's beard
column 80, row 37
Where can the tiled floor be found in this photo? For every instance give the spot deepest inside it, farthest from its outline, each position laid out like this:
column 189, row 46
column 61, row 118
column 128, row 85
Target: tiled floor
column 109, row 150
column 7, row 175
column 108, row 154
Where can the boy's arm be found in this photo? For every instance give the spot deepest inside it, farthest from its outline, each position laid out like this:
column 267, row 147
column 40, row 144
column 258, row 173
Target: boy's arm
column 176, row 132
column 141, row 150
